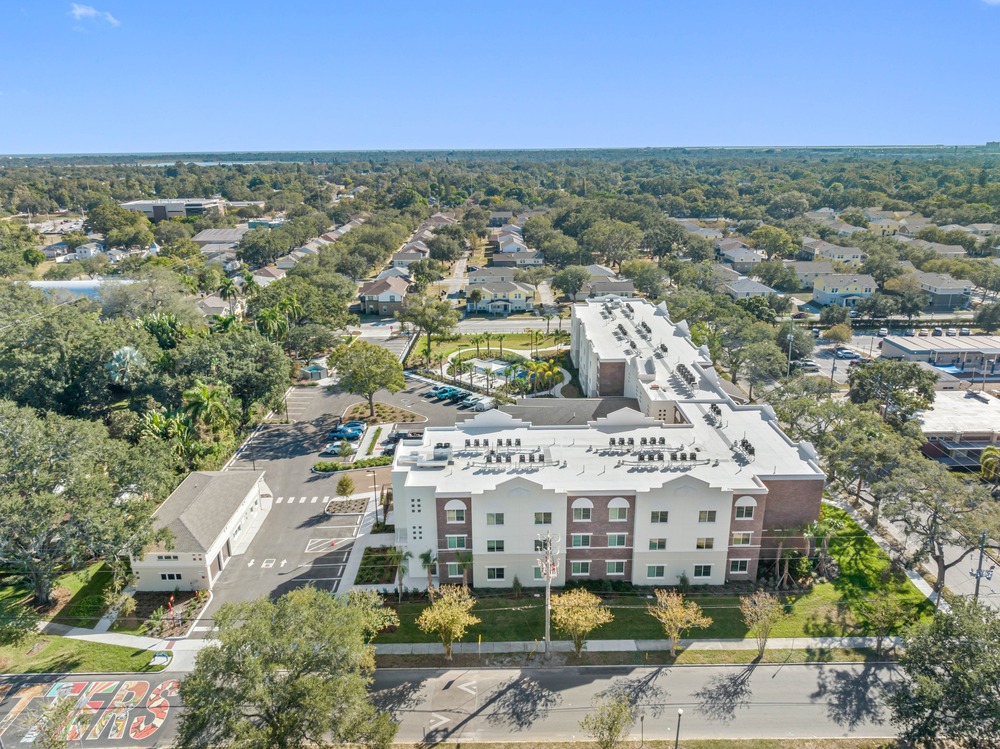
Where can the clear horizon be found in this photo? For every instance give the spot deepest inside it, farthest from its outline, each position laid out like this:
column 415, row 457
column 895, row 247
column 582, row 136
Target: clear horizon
column 123, row 78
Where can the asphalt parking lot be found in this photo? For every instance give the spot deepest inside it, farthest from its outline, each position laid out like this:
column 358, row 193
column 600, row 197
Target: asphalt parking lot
column 298, row 543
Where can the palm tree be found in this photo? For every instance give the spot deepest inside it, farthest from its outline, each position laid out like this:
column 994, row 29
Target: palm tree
column 548, row 321
column 228, row 291
column 459, row 368
column 223, row 323
column 531, row 337
column 509, row 372
column 533, row 368
column 124, row 365
column 464, row 558
column 400, row 559
column 207, row 404
column 989, row 464
column 563, row 314
column 250, row 286
column 822, row 531
column 271, row 323
column 500, row 337
column 429, row 560
column 476, row 340
column 488, row 336
column 537, row 337
column 292, row 309
column 437, row 360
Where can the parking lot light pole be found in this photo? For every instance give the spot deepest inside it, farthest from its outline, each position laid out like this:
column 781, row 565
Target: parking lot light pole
column 677, row 739
column 374, row 494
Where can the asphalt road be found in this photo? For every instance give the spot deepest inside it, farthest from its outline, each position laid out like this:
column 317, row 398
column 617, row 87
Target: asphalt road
column 791, row 701
column 794, row 701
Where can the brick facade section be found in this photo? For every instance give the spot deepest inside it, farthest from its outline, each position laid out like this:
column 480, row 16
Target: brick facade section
column 599, row 527
column 445, row 529
column 756, row 526
column 788, row 505
column 611, row 378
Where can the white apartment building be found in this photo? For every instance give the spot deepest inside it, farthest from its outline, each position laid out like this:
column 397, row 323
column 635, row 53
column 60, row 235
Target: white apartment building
column 694, row 485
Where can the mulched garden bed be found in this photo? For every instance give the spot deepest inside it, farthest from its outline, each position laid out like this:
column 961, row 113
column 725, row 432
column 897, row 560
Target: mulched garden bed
column 346, row 506
column 385, row 413
column 376, row 567
column 152, row 612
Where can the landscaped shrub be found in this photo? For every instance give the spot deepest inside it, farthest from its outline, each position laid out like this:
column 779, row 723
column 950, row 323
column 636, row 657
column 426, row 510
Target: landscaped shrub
column 328, row 466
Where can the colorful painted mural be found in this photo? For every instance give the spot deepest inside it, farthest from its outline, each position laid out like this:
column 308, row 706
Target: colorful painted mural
column 108, row 712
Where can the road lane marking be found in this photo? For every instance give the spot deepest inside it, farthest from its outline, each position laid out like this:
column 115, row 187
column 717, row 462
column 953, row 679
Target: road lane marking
column 314, row 500
column 267, row 564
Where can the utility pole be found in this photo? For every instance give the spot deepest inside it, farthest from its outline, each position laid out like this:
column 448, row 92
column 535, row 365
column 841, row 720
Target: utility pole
column 549, row 564
column 791, row 337
column 978, row 573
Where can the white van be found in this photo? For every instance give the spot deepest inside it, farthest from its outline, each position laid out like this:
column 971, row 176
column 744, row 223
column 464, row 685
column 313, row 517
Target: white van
column 485, row 404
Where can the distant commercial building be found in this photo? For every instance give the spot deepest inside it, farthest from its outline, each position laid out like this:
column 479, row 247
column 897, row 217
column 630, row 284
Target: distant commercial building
column 959, row 426
column 969, row 357
column 160, row 210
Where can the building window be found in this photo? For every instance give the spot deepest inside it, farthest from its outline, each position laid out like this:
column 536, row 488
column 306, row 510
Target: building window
column 455, row 516
column 494, row 518
column 494, row 573
column 414, row 505
column 657, row 544
column 170, row 576
column 539, row 544
column 580, row 568
column 658, row 516
column 494, row 546
column 537, row 572
column 617, row 514
column 703, row 570
column 705, row 543
column 580, row 540
column 706, row 516
column 167, row 557
column 543, row 518
column 456, row 542
column 739, row 566
column 616, row 539
column 744, row 512
column 616, row 568
column 742, row 539
column 655, row 571
column 417, row 532
column 581, row 514
column 454, row 569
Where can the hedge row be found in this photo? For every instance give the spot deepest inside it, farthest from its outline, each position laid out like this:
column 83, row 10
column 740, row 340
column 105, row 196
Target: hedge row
column 329, row 466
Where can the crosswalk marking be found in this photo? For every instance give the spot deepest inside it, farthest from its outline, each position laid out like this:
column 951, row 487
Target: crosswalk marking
column 303, row 500
column 314, row 500
column 278, row 500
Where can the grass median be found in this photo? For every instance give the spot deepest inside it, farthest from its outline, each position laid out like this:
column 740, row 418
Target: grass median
column 52, row 654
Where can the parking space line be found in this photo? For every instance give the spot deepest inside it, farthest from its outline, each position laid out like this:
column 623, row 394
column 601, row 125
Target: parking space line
column 320, row 545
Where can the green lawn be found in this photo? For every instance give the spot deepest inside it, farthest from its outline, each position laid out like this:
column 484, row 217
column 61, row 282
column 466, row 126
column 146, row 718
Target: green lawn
column 826, row 610
column 51, row 654
column 518, row 341
column 82, row 590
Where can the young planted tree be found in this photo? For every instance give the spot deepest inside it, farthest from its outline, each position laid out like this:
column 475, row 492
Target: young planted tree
column 676, row 615
column 449, row 616
column 609, row 721
column 289, row 673
column 364, row 368
column 577, row 613
column 429, row 561
column 761, row 611
column 345, row 486
column 883, row 615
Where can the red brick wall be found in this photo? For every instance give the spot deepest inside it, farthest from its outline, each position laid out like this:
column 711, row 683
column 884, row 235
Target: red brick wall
column 445, row 529
column 611, row 378
column 599, row 527
column 752, row 552
column 789, row 504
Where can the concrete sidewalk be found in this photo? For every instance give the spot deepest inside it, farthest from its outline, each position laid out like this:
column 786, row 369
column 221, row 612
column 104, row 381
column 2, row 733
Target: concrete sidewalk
column 627, row 646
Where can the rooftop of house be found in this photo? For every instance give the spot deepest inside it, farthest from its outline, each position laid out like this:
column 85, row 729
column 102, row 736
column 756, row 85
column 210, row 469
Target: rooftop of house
column 198, row 510
column 393, row 284
column 836, row 280
column 473, row 456
column 502, row 287
column 960, row 411
column 214, row 236
column 491, row 273
column 938, row 247
column 745, row 285
column 731, row 243
column 802, row 267
column 742, row 254
column 599, row 271
column 943, row 280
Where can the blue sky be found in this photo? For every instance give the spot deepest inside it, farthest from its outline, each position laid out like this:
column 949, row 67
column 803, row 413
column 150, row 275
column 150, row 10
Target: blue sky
column 131, row 75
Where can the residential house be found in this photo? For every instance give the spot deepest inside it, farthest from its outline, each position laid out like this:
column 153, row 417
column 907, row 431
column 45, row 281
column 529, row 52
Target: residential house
column 213, row 305
column 729, row 243
column 808, row 271
column 946, row 293
column 502, row 297
column 89, row 250
column 941, row 250
column 818, row 249
column 441, row 219
column 287, row 262
column 268, row 274
column 821, row 214
column 909, row 226
column 742, row 259
column 55, row 250
column 394, row 272
column 884, row 227
column 211, row 517
column 383, row 296
column 511, row 244
column 985, row 230
column 956, row 227
column 600, row 271
column 723, row 274
column 519, row 259
column 499, row 218
column 596, row 287
column 228, row 260
column 116, row 255
column 843, row 289
column 411, row 252
column 489, row 275
column 745, row 288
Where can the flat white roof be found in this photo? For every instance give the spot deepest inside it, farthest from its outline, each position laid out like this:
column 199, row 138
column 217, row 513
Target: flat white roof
column 961, row 411
column 945, row 345
column 581, row 460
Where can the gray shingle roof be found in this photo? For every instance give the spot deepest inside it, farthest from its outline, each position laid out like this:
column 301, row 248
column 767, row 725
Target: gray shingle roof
column 198, row 510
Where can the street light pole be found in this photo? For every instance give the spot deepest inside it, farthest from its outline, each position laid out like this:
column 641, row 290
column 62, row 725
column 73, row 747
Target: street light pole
column 791, row 337
column 677, row 740
column 978, row 573
column 549, row 564
column 642, row 730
